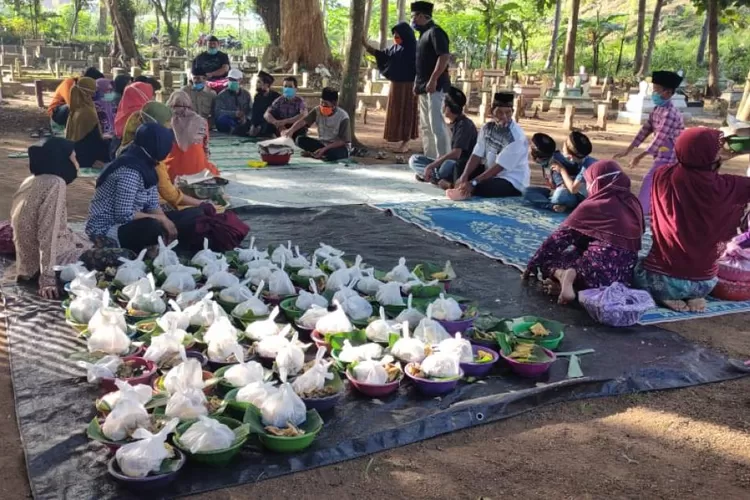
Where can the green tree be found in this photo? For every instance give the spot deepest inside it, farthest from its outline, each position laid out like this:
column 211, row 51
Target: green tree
column 596, row 29
column 350, row 81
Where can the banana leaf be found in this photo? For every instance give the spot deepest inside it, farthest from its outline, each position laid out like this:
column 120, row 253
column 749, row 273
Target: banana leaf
column 253, row 419
column 336, row 340
column 168, row 465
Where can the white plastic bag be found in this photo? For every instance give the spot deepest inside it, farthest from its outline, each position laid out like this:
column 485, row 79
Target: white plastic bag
column 282, row 253
column 69, row 272
column 344, row 293
column 137, row 263
column 131, row 271
column 314, row 379
column 221, row 348
column 313, row 271
column 165, row 345
column 311, row 316
column 279, row 283
column 350, row 353
column 256, row 393
column 105, row 367
column 221, row 279
column 269, row 346
column 179, row 282
column 334, row 322
column 167, row 256
column 207, row 434
column 458, row 347
column 390, row 295
column 357, row 308
column 243, row 373
column 400, row 273
column 83, row 307
column 108, row 330
column 446, row 309
column 283, row 407
column 128, row 415
column 381, row 329
column 290, row 359
column 140, row 392
column 440, row 365
column 430, row 331
column 221, row 327
column 334, row 262
column 368, row 284
column 258, row 275
column 206, row 312
column 306, row 299
column 261, row 329
column 215, row 266
column 370, row 371
column 147, row 454
column 407, row 348
column 186, row 404
column 142, row 286
column 325, row 251
column 176, row 319
column 180, row 268
column 338, row 279
column 186, row 375
column 236, row 293
column 187, row 299
column 83, row 282
column 410, row 315
column 205, row 256
column 247, row 254
column 298, row 261
column 149, row 302
column 252, row 305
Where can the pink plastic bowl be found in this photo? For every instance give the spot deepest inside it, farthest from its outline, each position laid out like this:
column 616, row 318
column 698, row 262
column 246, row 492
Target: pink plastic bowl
column 529, row 370
column 373, row 390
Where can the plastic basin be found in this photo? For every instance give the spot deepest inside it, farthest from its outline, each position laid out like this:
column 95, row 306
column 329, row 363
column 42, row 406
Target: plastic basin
column 323, row 404
column 276, row 160
column 108, row 384
column 462, row 325
column 433, row 387
column 149, row 482
column 552, row 342
column 374, row 390
column 289, row 309
column 480, row 369
column 529, row 370
column 731, row 290
column 217, row 458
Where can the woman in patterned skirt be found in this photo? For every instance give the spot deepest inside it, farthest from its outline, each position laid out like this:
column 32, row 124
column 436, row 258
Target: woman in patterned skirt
column 598, row 243
column 399, row 65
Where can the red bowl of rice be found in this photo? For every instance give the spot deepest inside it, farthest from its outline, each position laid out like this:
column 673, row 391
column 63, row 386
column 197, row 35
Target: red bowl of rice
column 276, row 160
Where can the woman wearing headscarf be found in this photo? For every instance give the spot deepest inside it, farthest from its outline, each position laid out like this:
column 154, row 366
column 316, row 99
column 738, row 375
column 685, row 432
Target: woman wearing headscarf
column 39, row 215
column 83, row 125
column 152, row 112
column 399, row 65
column 104, row 102
column 598, row 243
column 694, row 212
column 134, row 97
column 190, row 152
column 118, row 85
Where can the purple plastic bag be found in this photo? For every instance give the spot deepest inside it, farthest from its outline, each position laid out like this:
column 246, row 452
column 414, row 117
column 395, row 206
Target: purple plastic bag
column 616, row 305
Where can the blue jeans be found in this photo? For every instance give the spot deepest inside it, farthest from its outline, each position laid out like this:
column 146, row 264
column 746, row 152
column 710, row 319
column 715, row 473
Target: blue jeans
column 447, row 170
column 542, row 197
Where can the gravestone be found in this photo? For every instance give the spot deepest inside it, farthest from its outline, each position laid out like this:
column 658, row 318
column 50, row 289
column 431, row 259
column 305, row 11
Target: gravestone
column 570, row 112
column 638, row 106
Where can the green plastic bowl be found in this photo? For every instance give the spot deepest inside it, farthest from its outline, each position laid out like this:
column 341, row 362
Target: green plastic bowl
column 247, row 319
column 290, row 310
column 235, row 409
column 739, row 144
column 223, row 387
column 227, row 306
column 552, row 342
column 282, row 444
column 216, row 458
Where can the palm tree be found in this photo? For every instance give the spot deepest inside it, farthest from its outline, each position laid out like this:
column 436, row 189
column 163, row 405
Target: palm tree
column 596, row 30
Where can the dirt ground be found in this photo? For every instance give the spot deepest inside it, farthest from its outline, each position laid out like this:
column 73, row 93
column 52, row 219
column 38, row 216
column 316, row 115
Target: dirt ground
column 689, row 443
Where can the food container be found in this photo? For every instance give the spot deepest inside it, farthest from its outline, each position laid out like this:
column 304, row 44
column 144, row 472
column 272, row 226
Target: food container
column 529, row 370
column 108, row 384
column 276, row 160
column 433, row 387
column 218, row 457
column 731, row 290
column 206, row 190
column 480, row 369
column 150, row 482
column 374, row 390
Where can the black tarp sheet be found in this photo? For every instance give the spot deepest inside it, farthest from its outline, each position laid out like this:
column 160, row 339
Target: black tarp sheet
column 54, row 403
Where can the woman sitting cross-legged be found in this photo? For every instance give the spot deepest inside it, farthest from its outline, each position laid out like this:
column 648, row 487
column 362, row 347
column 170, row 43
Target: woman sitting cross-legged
column 694, row 211
column 125, row 207
column 39, row 215
column 190, row 153
column 598, row 243
column 83, row 125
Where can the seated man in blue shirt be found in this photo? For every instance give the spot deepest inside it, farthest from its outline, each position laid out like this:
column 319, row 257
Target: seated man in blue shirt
column 563, row 171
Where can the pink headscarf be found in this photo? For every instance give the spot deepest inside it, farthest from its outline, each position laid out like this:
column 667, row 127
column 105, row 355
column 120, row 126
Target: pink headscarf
column 611, row 212
column 186, row 123
column 136, row 96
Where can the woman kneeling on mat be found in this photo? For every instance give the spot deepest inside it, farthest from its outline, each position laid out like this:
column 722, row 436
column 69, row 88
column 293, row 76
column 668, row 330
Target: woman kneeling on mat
column 598, row 243
column 694, row 211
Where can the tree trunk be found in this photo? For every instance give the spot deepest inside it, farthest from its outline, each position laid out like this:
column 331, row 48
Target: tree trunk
column 555, row 35
column 350, row 82
column 74, row 24
column 122, row 15
column 651, row 40
column 570, row 42
column 700, row 58
column 158, row 25
column 102, row 27
column 509, row 57
column 368, row 16
column 488, row 44
column 213, row 15
column 619, row 55
column 383, row 24
column 713, row 49
column 496, row 52
column 638, row 59
column 401, row 11
column 302, row 38
column 270, row 12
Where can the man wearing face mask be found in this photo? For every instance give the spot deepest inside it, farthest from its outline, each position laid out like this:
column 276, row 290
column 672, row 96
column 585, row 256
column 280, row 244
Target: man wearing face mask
column 287, row 109
column 501, row 154
column 213, row 63
column 432, row 80
column 666, row 123
column 201, row 96
column 264, row 97
column 334, row 129
column 233, row 107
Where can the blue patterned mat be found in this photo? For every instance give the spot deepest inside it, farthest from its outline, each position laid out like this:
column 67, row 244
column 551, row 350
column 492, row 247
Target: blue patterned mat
column 511, row 231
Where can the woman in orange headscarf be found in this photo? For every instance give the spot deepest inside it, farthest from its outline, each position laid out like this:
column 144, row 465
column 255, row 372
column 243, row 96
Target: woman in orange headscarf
column 190, row 152
column 83, row 125
column 136, row 96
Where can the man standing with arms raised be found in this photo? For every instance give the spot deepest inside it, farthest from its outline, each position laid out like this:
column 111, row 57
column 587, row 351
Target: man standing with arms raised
column 432, row 81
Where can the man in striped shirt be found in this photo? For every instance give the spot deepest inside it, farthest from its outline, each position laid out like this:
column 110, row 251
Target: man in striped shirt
column 666, row 123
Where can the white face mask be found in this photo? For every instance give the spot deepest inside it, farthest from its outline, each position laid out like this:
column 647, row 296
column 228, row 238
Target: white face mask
column 611, row 174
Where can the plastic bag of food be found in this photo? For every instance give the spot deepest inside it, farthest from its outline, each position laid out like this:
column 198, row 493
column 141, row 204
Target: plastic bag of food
column 370, row 371
column 187, row 299
column 222, row 279
column 390, row 294
column 150, row 302
column 297, row 261
column 215, row 266
column 279, row 283
column 253, row 304
column 400, row 273
column 335, row 263
column 164, row 345
column 313, row 271
column 381, row 329
column 205, row 256
column 187, row 404
column 207, row 434
column 334, row 322
column 105, row 367
column 138, row 262
column 206, row 312
column 83, row 307
column 446, row 309
column 345, row 293
column 306, row 299
column 167, row 256
column 222, row 348
column 241, row 374
column 188, row 374
column 256, row 393
column 83, row 282
column 440, row 365
column 311, row 316
column 282, row 254
column 290, row 359
column 140, row 392
column 258, row 275
column 270, row 345
column 338, row 279
column 314, row 379
column 180, row 268
column 368, row 284
column 430, row 331
column 261, row 329
column 410, row 315
column 236, row 293
column 407, row 348
column 324, row 251
column 131, row 271
column 458, row 347
column 128, row 415
column 283, row 407
column 69, row 272
column 107, row 330
column 357, row 308
column 142, row 286
column 176, row 319
column 350, row 353
column 179, row 282
column 260, row 263
column 616, row 305
column 247, row 254
column 147, row 454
